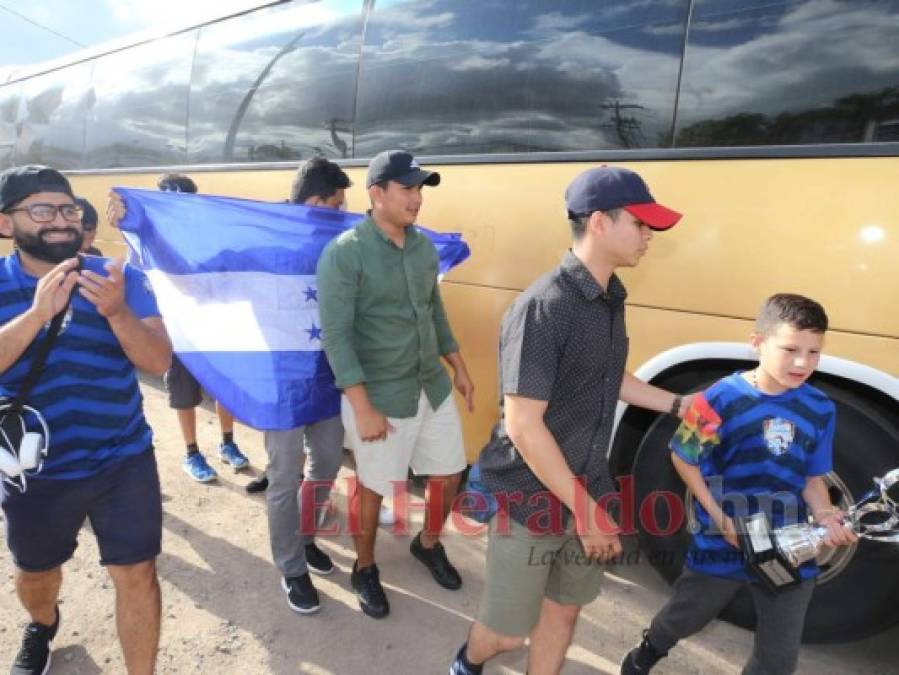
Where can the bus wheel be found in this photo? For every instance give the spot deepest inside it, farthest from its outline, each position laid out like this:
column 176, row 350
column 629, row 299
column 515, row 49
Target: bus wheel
column 858, row 589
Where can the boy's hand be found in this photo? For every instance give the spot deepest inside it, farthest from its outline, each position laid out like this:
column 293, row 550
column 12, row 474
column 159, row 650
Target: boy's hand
column 837, row 533
column 729, row 532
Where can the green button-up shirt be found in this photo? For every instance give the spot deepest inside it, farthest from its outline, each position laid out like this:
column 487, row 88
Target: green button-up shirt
column 383, row 320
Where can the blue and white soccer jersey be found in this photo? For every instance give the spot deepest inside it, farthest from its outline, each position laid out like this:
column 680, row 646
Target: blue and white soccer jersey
column 756, row 452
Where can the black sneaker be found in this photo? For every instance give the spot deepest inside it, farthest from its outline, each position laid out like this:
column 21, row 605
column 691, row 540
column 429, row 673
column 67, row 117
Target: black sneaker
column 461, row 666
column 257, row 485
column 367, row 584
column 301, row 594
column 317, row 560
column 437, row 563
column 641, row 659
column 34, row 654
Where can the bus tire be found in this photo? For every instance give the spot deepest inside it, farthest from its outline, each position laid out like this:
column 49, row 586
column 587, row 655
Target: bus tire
column 863, row 599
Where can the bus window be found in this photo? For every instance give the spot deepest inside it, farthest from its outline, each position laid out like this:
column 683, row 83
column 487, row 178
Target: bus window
column 789, row 72
column 51, row 126
column 139, row 111
column 475, row 77
column 276, row 84
column 10, row 101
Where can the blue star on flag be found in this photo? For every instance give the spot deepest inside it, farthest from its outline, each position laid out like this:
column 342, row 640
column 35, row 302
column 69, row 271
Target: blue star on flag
column 315, row 333
column 311, row 293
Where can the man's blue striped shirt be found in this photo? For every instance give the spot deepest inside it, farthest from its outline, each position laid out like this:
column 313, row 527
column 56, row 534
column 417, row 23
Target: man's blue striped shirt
column 88, row 391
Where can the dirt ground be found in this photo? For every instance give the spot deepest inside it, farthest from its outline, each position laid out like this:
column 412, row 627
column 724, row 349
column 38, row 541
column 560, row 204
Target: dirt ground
column 224, row 611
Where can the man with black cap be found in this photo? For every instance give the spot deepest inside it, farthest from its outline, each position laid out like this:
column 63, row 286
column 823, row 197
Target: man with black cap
column 563, row 348
column 100, row 464
column 385, row 331
column 89, row 221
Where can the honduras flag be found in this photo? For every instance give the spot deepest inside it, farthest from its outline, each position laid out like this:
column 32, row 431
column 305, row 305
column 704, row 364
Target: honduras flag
column 235, row 282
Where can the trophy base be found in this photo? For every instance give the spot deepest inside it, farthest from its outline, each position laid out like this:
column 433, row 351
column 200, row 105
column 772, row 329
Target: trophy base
column 762, row 555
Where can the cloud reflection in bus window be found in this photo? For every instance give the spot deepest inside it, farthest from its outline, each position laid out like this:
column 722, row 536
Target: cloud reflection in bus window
column 791, row 72
column 449, row 77
column 139, row 116
column 276, row 84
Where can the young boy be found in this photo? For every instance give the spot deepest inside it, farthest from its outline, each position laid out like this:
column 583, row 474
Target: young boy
column 761, row 440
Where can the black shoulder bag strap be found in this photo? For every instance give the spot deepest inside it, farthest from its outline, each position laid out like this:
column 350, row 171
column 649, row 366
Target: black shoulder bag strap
column 40, row 357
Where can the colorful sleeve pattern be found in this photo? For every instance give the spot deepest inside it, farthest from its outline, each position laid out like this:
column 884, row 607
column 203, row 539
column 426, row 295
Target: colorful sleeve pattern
column 697, row 434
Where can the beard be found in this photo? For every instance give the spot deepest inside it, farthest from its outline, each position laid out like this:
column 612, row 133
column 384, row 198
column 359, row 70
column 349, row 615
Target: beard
column 51, row 252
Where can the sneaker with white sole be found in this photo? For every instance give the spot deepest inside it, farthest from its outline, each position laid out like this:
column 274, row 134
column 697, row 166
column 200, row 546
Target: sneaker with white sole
column 317, row 560
column 196, row 466
column 301, row 594
column 229, row 453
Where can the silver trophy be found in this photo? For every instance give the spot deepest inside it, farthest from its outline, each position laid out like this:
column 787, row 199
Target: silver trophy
column 775, row 556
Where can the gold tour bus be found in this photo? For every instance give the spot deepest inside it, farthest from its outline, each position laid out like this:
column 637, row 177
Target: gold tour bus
column 771, row 124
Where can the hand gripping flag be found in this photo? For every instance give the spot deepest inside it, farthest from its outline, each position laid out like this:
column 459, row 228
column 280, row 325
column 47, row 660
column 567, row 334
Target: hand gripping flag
column 235, row 282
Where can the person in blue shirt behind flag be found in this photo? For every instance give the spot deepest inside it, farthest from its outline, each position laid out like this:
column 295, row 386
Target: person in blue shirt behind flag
column 759, row 440
column 100, row 463
column 185, row 393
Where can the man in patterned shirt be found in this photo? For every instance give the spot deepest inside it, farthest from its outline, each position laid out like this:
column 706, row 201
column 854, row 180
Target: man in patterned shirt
column 563, row 347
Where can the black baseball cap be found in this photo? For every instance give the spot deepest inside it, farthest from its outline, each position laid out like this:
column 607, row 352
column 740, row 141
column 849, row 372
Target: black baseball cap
column 608, row 187
column 399, row 166
column 21, row 182
column 89, row 217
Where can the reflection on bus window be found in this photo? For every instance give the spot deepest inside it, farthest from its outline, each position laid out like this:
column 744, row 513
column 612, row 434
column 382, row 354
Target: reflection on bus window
column 473, row 77
column 139, row 116
column 791, row 72
column 50, row 129
column 10, row 101
column 276, row 85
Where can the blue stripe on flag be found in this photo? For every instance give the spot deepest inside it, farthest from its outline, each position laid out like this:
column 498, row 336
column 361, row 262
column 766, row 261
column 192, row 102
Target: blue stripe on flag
column 268, row 390
column 187, row 234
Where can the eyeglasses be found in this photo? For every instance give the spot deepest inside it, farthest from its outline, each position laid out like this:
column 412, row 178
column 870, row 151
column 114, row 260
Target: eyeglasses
column 46, row 213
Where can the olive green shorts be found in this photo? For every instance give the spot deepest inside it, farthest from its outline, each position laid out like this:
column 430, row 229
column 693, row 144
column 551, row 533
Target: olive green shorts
column 523, row 569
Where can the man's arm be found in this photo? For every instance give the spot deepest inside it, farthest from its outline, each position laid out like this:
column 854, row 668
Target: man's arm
column 449, row 349
column 461, row 379
column 637, row 392
column 337, row 280
column 50, row 297
column 539, row 449
column 144, row 341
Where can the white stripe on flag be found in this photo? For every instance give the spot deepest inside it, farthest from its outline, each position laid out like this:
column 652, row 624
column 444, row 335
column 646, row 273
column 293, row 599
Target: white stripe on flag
column 239, row 311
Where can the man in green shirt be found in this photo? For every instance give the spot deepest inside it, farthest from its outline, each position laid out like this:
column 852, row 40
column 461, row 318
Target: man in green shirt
column 385, row 331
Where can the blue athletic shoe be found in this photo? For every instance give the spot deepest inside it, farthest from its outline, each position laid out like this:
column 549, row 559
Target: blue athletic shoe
column 196, row 467
column 229, row 453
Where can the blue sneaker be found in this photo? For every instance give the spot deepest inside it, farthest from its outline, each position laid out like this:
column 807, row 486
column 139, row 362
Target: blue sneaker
column 196, row 467
column 229, row 453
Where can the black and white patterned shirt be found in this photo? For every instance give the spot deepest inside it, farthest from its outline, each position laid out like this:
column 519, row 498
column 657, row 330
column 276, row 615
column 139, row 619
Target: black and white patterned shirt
column 563, row 341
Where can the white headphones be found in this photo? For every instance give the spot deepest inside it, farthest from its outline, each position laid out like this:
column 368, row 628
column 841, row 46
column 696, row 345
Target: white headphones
column 28, row 458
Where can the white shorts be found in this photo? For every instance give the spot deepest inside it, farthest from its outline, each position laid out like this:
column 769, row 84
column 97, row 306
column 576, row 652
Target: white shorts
column 430, row 443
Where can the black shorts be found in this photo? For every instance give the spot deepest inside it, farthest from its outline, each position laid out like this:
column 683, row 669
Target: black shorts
column 184, row 390
column 123, row 503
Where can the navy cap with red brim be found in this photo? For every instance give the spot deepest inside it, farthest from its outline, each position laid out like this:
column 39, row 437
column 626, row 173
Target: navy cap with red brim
column 656, row 216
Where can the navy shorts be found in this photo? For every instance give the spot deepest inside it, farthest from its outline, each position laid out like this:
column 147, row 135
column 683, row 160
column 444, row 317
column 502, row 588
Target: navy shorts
column 184, row 390
column 123, row 504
